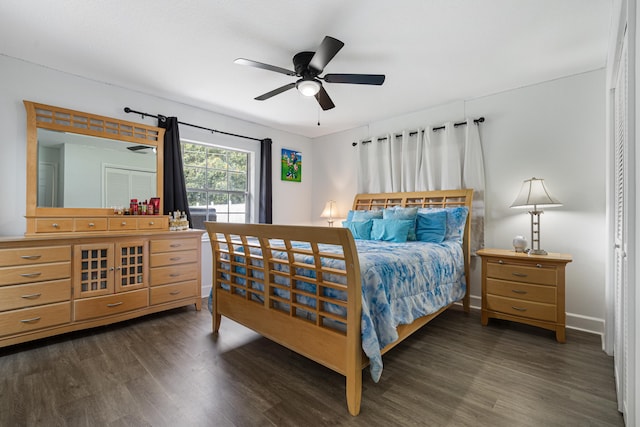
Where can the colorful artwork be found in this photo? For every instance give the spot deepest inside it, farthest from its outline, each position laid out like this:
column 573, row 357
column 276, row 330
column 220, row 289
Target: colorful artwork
column 291, row 165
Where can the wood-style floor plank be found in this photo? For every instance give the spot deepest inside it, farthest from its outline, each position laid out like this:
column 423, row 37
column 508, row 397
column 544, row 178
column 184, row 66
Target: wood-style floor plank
column 168, row 369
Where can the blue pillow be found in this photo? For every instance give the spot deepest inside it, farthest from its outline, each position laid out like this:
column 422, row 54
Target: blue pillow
column 365, row 215
column 391, row 230
column 431, row 226
column 398, row 212
column 359, row 229
column 456, row 220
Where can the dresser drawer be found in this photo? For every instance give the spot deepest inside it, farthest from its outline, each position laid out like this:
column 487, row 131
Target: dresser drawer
column 522, row 308
column 21, row 296
column 173, row 274
column 153, row 223
column 542, row 275
column 123, row 223
column 522, row 291
column 54, row 225
column 177, row 291
column 89, row 308
column 37, row 255
column 173, row 245
column 34, row 273
column 91, row 224
column 173, row 258
column 29, row 319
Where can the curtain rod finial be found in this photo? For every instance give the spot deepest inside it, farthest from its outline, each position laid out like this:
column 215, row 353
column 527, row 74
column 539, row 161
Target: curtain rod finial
column 127, row 109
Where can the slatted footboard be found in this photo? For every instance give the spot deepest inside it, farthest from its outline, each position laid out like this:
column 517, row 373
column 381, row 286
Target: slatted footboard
column 273, row 279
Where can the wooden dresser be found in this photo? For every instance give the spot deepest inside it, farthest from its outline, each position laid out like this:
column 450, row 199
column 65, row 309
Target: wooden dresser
column 51, row 285
column 524, row 288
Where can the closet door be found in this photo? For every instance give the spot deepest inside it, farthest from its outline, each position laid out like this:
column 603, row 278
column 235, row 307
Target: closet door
column 623, row 211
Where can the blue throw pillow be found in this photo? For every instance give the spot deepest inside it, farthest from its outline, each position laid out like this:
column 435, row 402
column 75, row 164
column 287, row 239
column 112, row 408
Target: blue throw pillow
column 366, row 215
column 391, row 230
column 456, row 220
column 431, row 226
column 398, row 212
column 359, row 229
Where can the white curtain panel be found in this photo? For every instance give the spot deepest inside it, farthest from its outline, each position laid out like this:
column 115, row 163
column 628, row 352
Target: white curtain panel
column 447, row 159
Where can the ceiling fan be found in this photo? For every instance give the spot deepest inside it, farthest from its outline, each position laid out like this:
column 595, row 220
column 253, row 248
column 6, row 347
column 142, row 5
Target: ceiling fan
column 308, row 66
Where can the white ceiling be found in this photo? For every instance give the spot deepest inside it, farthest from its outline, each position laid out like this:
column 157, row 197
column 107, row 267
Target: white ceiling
column 432, row 51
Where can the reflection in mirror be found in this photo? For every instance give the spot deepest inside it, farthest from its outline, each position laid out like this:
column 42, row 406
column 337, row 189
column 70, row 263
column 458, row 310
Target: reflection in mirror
column 81, row 171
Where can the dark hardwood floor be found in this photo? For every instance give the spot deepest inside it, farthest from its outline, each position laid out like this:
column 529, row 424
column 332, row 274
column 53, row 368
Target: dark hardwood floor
column 168, row 369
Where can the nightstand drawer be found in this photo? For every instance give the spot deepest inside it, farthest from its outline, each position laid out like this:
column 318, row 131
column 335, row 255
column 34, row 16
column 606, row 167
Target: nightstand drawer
column 522, row 291
column 521, row 308
column 173, row 258
column 537, row 274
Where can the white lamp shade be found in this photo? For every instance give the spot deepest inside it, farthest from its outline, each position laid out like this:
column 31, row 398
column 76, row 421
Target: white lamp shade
column 329, row 210
column 308, row 87
column 533, row 194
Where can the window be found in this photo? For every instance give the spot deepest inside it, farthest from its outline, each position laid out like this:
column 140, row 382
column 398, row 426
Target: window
column 217, row 181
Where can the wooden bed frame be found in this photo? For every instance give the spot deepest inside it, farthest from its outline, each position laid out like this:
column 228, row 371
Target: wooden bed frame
column 302, row 328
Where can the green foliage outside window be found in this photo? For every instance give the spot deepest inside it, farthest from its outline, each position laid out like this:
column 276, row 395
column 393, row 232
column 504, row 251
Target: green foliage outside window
column 217, row 183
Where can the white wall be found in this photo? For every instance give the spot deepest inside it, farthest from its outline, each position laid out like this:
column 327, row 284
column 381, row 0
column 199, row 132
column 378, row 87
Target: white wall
column 553, row 130
column 21, row 80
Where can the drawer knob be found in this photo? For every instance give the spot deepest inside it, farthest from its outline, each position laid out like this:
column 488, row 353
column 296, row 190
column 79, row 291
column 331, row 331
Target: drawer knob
column 55, row 225
column 31, row 296
column 33, row 319
column 518, row 291
column 151, row 222
column 500, row 261
column 539, row 265
column 30, row 274
column 517, row 274
column 31, row 257
column 519, row 308
column 91, row 224
column 123, row 223
column 115, row 304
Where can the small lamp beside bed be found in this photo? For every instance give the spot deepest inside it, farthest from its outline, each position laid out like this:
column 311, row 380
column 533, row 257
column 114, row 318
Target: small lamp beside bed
column 330, row 212
column 534, row 195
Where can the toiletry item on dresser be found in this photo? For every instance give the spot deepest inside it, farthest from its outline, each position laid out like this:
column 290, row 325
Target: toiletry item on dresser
column 133, row 207
column 178, row 221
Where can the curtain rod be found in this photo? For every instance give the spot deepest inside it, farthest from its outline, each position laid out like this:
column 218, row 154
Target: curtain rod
column 163, row 118
column 476, row 121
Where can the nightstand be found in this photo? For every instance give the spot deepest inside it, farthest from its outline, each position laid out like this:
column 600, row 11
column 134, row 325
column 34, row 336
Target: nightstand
column 524, row 288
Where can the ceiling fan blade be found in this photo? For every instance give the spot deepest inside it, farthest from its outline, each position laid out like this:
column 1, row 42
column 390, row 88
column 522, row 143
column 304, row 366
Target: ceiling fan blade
column 323, row 99
column 325, row 53
column 249, row 62
column 359, row 79
column 275, row 92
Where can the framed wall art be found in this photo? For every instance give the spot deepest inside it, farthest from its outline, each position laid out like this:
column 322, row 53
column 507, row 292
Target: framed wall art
column 291, row 165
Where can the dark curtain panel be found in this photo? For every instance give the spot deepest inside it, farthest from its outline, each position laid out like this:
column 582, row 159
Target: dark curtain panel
column 175, row 190
column 264, row 196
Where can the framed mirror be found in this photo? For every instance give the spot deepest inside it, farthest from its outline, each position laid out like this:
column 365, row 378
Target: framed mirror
column 81, row 164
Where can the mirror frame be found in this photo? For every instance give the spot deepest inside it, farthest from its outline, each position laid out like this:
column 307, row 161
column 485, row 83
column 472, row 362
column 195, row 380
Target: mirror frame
column 71, row 121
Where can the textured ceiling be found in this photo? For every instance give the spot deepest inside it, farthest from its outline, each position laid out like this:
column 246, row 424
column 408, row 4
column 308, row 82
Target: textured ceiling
column 432, row 51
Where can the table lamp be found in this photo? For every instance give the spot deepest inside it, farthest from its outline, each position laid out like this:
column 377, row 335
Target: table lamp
column 534, row 195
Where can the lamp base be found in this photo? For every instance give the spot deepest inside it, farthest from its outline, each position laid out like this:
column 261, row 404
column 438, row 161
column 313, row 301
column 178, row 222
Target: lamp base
column 537, row 252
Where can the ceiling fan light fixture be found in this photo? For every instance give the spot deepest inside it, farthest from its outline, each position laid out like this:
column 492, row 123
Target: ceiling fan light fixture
column 308, row 87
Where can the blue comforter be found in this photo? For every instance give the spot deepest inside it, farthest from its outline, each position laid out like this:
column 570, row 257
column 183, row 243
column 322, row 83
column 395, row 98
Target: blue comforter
column 400, row 283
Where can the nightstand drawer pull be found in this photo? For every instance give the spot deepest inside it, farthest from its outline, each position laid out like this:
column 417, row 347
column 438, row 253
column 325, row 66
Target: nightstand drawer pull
column 30, row 274
column 515, row 273
column 518, row 308
column 34, row 319
column 31, row 257
column 31, row 296
column 115, row 304
column 175, row 258
column 518, row 291
column 174, row 292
